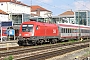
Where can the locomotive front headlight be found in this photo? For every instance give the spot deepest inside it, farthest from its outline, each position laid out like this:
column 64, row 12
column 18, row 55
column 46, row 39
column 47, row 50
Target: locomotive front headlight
column 19, row 34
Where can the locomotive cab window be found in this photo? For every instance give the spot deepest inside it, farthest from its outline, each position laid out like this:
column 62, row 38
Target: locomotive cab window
column 27, row 28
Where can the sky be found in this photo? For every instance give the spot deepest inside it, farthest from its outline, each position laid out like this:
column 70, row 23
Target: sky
column 60, row 6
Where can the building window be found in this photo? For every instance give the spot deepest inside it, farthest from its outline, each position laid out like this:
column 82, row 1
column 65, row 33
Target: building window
column 1, row 4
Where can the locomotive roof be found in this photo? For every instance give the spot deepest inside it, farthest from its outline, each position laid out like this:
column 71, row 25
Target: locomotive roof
column 34, row 22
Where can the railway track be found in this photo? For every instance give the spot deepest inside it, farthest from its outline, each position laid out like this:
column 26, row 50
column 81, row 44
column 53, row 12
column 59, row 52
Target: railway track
column 42, row 49
column 53, row 54
column 20, row 47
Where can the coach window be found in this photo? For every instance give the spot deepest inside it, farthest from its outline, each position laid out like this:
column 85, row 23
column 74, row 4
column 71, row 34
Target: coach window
column 86, row 31
column 61, row 30
column 71, row 30
column 74, row 30
column 0, row 31
column 81, row 30
column 64, row 30
column 68, row 30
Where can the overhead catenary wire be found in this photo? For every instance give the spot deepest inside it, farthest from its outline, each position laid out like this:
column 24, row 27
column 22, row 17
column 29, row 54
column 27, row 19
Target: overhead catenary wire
column 50, row 5
column 64, row 9
column 82, row 4
column 60, row 7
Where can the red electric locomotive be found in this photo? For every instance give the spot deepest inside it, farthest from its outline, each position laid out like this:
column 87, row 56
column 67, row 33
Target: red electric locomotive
column 32, row 32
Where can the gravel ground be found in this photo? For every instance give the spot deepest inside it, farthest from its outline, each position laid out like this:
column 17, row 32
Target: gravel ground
column 72, row 55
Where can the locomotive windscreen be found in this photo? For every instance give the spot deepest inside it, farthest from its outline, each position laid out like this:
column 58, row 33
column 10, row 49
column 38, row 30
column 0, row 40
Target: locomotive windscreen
column 27, row 28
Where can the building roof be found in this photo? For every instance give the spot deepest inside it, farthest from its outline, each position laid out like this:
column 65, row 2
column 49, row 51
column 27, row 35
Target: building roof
column 67, row 13
column 36, row 7
column 15, row 1
column 2, row 12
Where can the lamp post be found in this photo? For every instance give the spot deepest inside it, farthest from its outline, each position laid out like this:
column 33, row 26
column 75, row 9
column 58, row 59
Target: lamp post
column 79, row 26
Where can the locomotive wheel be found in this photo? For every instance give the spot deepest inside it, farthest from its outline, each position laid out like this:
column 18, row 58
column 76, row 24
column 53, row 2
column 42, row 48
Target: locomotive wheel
column 54, row 41
column 41, row 42
column 20, row 43
column 35, row 43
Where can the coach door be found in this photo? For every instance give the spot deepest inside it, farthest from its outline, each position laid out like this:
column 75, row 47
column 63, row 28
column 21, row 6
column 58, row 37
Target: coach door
column 59, row 30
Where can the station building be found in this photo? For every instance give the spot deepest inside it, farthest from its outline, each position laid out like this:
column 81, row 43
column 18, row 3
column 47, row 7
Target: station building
column 18, row 11
column 82, row 17
column 68, row 16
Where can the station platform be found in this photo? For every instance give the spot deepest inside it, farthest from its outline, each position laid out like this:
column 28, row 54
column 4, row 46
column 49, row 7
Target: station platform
column 11, row 43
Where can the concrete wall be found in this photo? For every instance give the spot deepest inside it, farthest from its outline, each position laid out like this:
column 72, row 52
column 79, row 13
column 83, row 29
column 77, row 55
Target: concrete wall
column 3, row 17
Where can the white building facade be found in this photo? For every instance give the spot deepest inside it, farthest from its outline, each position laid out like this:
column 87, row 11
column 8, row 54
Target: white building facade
column 17, row 11
column 12, row 7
